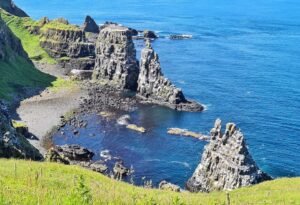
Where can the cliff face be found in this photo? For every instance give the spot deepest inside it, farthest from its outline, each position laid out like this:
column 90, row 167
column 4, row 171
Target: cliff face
column 226, row 163
column 153, row 86
column 9, row 6
column 116, row 57
column 68, row 45
column 13, row 144
column 9, row 45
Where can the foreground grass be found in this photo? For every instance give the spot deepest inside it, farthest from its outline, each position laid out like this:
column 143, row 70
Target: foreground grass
column 25, row 182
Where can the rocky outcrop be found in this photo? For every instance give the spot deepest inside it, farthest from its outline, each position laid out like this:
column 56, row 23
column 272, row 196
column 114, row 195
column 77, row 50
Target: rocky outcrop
column 90, row 25
column 12, row 143
column 68, row 44
column 226, row 163
column 154, row 87
column 164, row 185
column 149, row 34
column 9, row 6
column 116, row 57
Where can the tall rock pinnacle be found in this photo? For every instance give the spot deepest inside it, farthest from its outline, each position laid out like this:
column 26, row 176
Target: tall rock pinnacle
column 116, row 57
column 226, row 163
column 154, row 87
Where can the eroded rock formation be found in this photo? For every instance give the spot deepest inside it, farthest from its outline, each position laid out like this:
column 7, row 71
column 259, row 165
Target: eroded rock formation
column 116, row 57
column 68, row 44
column 90, row 25
column 226, row 163
column 9, row 6
column 155, row 88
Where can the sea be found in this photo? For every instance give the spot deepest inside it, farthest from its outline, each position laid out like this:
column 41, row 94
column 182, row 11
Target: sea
column 242, row 63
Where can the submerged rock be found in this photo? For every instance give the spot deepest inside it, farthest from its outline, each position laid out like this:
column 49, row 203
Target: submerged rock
column 164, row 185
column 155, row 88
column 124, row 120
column 90, row 25
column 187, row 133
column 226, row 163
column 136, row 128
column 116, row 57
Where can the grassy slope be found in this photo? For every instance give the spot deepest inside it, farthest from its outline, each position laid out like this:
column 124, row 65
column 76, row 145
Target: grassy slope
column 24, row 182
column 19, row 74
column 30, row 42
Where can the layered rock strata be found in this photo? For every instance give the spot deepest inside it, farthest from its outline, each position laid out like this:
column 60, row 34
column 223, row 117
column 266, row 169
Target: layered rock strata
column 69, row 45
column 155, row 88
column 226, row 163
column 116, row 57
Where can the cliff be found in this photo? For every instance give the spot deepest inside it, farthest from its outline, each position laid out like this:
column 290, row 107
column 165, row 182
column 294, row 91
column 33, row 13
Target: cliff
column 226, row 163
column 13, row 144
column 90, row 25
column 116, row 57
column 68, row 44
column 9, row 6
column 154, row 87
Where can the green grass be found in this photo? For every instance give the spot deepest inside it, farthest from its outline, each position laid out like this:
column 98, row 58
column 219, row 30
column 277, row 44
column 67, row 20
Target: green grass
column 26, row 182
column 61, row 83
column 57, row 24
column 19, row 74
column 18, row 124
column 31, row 43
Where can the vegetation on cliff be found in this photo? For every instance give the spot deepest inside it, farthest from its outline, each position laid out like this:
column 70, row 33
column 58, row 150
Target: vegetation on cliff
column 48, row 183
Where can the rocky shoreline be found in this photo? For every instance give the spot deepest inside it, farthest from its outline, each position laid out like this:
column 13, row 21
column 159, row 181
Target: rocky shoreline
column 113, row 80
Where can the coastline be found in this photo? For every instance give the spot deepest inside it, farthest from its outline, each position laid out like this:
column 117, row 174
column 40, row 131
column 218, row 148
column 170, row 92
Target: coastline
column 42, row 112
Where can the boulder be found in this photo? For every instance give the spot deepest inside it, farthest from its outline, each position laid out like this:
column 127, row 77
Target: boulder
column 90, row 25
column 74, row 152
column 164, row 185
column 226, row 163
column 120, row 170
column 116, row 58
column 154, row 87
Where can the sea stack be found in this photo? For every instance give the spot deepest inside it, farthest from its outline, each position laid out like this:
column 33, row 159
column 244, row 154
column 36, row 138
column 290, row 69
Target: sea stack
column 226, row 163
column 90, row 25
column 155, row 88
column 116, row 57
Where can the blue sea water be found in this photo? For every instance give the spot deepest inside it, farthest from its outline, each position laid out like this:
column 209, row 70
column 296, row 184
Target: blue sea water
column 243, row 63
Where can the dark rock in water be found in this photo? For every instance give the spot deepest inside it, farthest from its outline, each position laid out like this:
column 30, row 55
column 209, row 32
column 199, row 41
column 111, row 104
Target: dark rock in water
column 116, row 58
column 120, row 170
column 226, row 163
column 10, row 7
column 180, row 37
column 155, row 88
column 97, row 166
column 150, row 34
column 75, row 152
column 90, row 25
column 164, row 185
